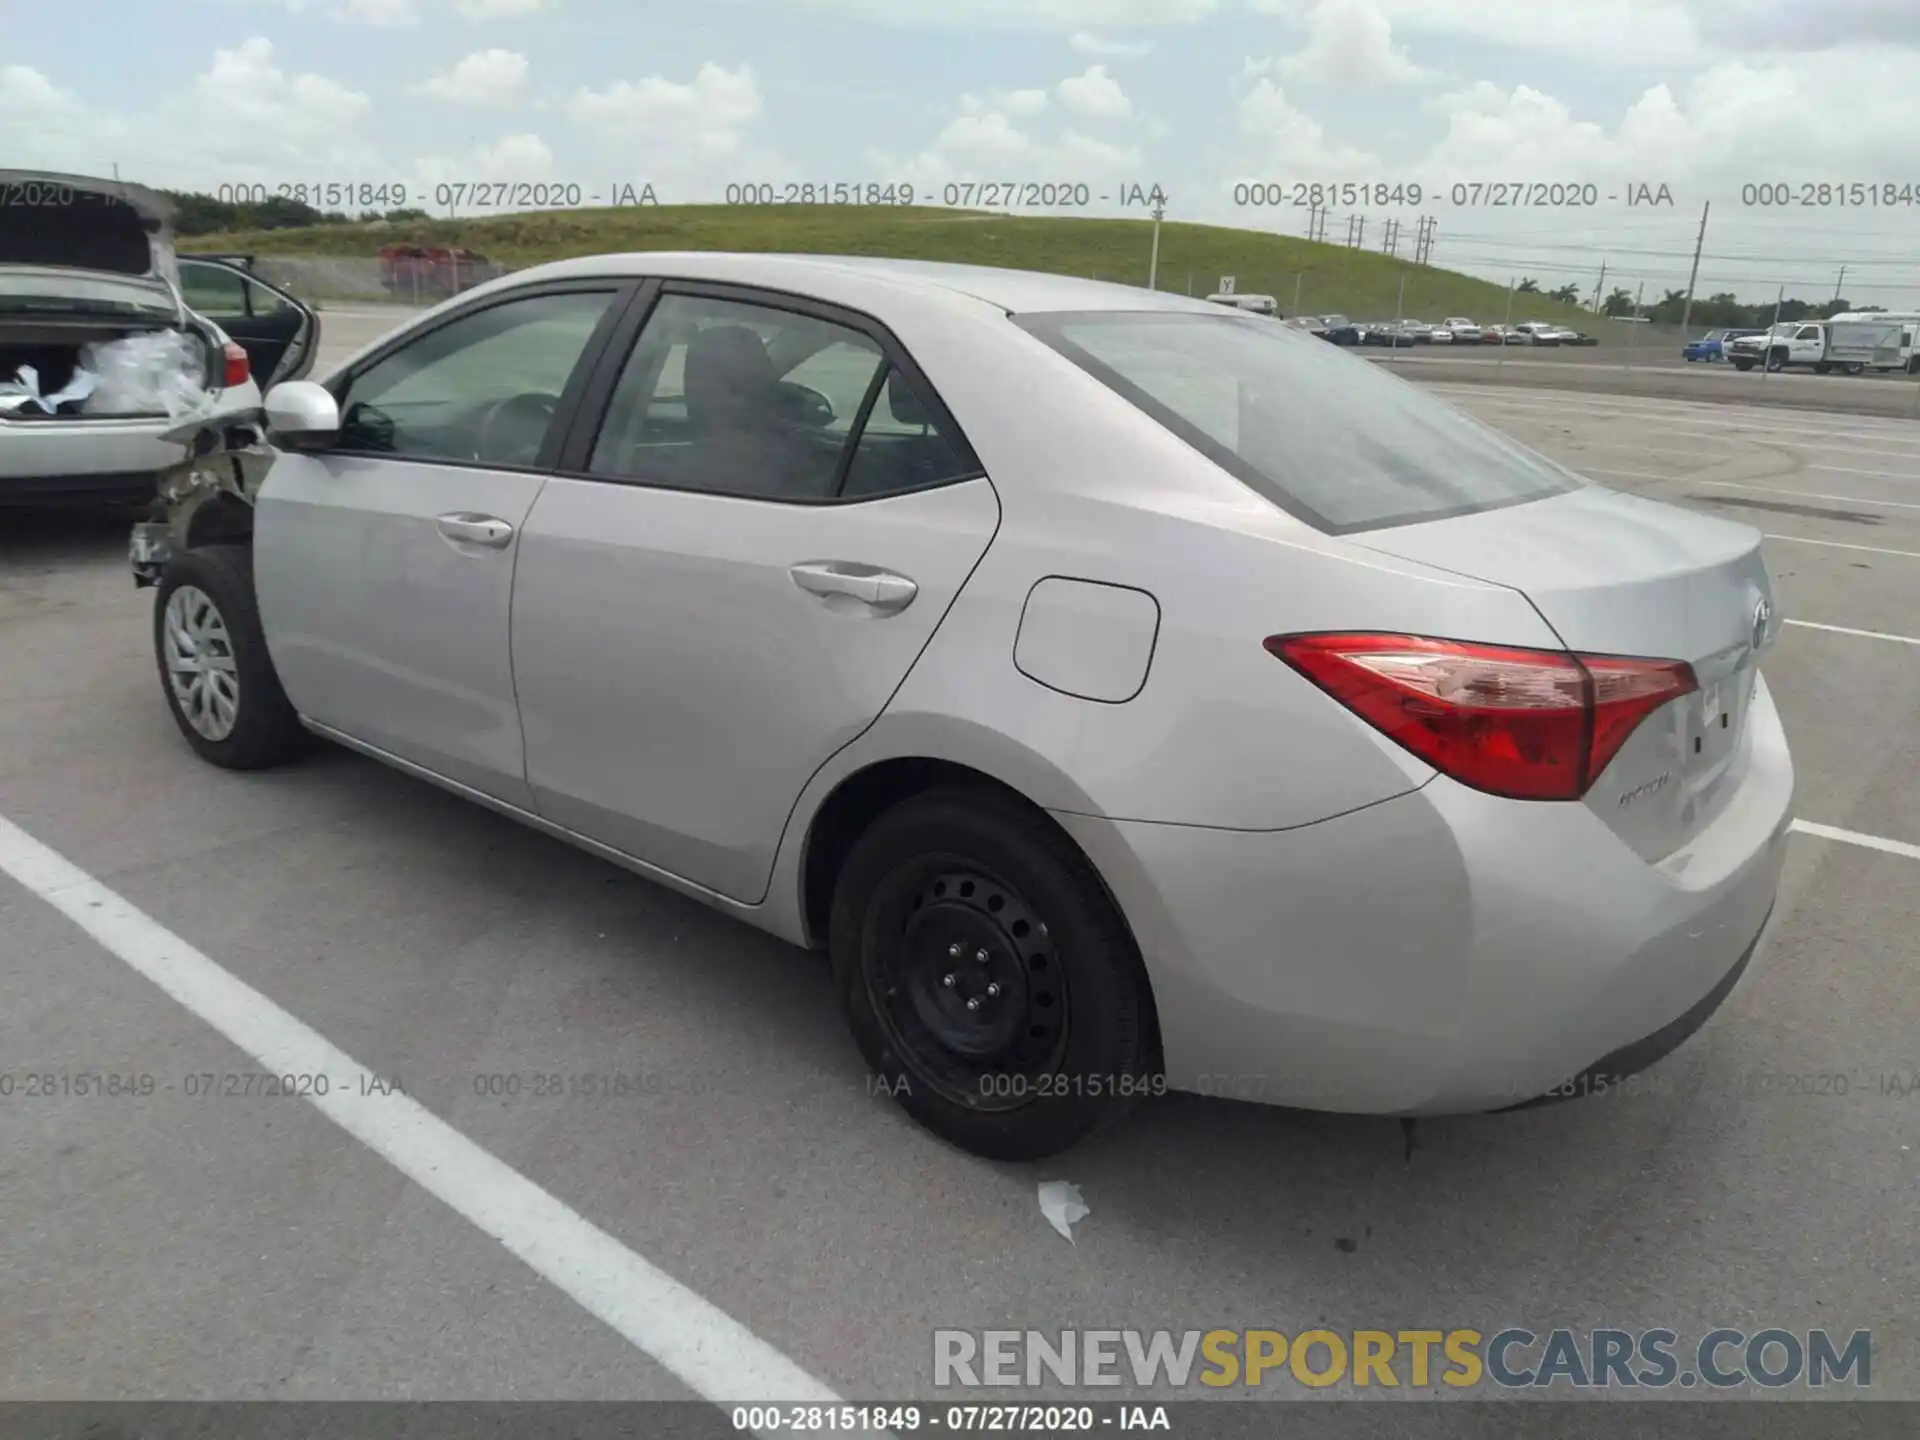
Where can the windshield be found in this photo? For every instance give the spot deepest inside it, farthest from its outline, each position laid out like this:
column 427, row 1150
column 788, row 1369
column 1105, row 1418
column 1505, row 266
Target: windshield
column 1334, row 440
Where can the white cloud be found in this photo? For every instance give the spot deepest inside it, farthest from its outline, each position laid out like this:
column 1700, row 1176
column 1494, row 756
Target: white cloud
column 1282, row 140
column 1350, row 43
column 689, row 139
column 1019, row 103
column 484, row 77
column 992, row 138
column 388, row 14
column 242, row 120
column 1086, row 42
column 502, row 9
column 1056, row 15
column 510, row 160
column 1096, row 95
column 1629, row 32
column 382, row 14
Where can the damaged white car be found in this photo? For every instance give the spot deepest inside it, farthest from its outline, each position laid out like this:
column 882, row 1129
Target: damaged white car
column 110, row 342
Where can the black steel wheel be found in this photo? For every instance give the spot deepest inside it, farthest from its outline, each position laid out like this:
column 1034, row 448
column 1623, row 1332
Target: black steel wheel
column 987, row 978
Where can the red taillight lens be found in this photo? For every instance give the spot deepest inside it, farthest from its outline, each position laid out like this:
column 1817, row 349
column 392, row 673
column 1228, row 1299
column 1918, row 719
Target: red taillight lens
column 1526, row 724
column 237, row 368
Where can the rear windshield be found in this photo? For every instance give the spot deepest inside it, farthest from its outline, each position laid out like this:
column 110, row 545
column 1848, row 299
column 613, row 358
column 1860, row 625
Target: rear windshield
column 1327, row 437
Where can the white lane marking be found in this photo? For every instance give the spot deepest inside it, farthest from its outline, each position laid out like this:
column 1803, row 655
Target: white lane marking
column 712, row 1353
column 1755, row 489
column 1842, row 545
column 1854, row 837
column 1901, row 430
column 1863, row 634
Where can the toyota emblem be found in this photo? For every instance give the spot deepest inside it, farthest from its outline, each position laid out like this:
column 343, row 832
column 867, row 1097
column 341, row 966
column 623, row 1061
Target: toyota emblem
column 1762, row 613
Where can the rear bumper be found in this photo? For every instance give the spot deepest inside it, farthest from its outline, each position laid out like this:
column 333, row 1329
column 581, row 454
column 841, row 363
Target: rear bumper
column 54, row 459
column 1443, row 951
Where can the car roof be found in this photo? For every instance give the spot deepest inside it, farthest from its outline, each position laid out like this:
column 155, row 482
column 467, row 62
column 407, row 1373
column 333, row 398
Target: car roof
column 1013, row 291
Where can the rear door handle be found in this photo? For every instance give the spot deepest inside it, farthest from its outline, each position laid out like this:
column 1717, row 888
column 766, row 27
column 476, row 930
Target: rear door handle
column 883, row 590
column 487, row 530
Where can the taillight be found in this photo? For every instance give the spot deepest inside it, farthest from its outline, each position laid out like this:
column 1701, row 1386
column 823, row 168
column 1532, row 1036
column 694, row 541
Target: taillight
column 237, row 367
column 1526, row 724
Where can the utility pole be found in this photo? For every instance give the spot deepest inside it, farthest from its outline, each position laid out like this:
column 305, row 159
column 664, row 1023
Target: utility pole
column 1838, row 283
column 1598, row 286
column 1773, row 332
column 1298, row 277
column 1153, row 265
column 1633, row 331
column 1694, row 275
column 1392, row 239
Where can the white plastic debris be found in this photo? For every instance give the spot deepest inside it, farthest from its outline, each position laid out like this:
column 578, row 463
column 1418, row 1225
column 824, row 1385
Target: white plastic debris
column 1060, row 1202
column 24, row 392
column 161, row 373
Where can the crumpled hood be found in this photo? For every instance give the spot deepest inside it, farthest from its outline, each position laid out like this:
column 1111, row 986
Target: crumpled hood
column 89, row 239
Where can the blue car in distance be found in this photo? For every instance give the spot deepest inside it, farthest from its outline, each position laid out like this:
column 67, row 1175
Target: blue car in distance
column 1712, row 345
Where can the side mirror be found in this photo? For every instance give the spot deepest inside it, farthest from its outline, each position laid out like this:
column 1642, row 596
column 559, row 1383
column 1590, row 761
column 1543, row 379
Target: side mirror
column 301, row 415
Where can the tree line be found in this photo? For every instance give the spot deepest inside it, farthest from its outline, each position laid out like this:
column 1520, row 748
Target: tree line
column 197, row 214
column 1720, row 311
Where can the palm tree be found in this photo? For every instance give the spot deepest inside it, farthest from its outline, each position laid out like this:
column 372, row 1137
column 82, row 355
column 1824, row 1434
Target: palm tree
column 1528, row 286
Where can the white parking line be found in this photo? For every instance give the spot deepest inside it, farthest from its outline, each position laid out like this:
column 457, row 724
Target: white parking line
column 1842, row 545
column 1854, row 837
column 1863, row 634
column 1755, row 489
column 715, row 1355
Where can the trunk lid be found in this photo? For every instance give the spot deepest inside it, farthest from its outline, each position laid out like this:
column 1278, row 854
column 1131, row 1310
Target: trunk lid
column 70, row 244
column 1615, row 574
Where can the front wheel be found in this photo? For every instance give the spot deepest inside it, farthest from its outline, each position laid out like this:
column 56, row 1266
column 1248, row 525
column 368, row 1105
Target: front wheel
column 214, row 668
column 989, row 982
column 1776, row 360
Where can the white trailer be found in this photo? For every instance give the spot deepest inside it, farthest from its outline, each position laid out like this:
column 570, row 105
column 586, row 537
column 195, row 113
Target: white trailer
column 1881, row 340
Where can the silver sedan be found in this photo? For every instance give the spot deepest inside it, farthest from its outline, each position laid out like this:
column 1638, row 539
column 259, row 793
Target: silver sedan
column 1128, row 694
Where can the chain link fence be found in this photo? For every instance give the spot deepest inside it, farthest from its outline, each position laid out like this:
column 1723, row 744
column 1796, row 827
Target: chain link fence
column 1433, row 322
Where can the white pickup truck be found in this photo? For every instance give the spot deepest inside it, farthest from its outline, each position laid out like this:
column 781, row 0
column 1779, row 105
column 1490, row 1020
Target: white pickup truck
column 1852, row 342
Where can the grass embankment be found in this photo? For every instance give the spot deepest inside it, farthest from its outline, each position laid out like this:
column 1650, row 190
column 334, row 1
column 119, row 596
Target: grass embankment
column 1364, row 285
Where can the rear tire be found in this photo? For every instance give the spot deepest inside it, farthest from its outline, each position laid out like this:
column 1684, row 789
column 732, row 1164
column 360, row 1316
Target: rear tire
column 215, row 671
column 1743, row 366
column 1061, row 1035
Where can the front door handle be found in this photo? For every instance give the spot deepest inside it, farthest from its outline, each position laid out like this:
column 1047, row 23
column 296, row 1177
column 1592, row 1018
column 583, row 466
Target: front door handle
column 487, row 530
column 882, row 590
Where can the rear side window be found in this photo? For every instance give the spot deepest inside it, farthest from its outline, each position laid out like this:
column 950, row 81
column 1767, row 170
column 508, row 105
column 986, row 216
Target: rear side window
column 1329, row 438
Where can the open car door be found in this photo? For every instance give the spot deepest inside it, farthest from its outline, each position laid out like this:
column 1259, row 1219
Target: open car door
column 280, row 334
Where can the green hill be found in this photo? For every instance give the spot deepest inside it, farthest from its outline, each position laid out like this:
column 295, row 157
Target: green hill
column 1362, row 284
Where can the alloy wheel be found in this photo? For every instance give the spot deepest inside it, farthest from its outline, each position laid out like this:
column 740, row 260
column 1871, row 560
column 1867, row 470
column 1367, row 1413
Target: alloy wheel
column 200, row 663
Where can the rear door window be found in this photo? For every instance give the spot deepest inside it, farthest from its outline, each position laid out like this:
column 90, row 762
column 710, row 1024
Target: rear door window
column 1331, row 439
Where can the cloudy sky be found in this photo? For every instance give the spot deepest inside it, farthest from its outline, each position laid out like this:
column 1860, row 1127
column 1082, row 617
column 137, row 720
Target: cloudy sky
column 1705, row 97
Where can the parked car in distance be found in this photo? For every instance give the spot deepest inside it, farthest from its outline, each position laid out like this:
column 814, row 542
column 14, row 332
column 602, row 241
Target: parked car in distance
column 1339, row 329
column 89, row 277
column 1540, row 332
column 1462, row 331
column 1429, row 777
column 1710, row 347
column 1419, row 331
column 1388, row 334
column 1308, row 325
column 1439, row 335
column 1493, row 335
column 1581, row 337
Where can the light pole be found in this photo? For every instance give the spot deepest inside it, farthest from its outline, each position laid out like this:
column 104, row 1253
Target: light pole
column 1153, row 264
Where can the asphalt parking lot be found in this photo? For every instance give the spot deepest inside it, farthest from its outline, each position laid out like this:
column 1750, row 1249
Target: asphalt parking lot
column 200, row 1246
